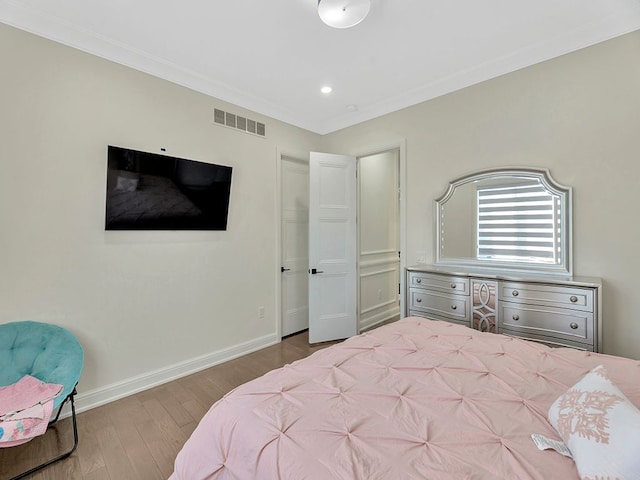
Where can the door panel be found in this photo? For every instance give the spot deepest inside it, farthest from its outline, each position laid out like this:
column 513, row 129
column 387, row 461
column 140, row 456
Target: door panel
column 295, row 251
column 332, row 247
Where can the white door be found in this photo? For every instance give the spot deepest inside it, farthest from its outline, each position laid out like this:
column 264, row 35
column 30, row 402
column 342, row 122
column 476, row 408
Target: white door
column 332, row 247
column 294, row 244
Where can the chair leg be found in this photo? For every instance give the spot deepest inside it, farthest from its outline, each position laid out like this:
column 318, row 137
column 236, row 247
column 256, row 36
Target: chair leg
column 75, row 439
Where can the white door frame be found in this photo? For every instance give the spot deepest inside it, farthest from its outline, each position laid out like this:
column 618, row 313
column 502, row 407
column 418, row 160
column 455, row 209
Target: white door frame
column 294, row 264
column 402, row 146
column 278, row 274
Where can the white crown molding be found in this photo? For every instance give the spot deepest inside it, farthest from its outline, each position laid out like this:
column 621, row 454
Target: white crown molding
column 625, row 20
column 29, row 19
column 607, row 28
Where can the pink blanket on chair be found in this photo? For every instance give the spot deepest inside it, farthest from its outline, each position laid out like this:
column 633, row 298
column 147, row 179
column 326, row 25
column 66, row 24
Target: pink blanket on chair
column 25, row 410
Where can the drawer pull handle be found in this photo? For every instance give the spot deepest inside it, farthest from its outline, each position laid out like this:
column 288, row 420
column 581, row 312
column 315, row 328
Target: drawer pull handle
column 453, row 307
column 418, row 280
column 453, row 285
column 418, row 300
column 574, row 325
column 515, row 293
column 573, row 299
column 516, row 317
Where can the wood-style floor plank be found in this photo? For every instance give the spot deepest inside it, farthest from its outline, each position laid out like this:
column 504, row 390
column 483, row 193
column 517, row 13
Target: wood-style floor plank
column 143, row 464
column 115, row 456
column 171, row 404
column 89, row 452
column 139, row 437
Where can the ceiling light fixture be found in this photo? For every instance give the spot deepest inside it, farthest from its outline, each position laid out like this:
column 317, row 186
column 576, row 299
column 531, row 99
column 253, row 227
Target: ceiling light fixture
column 343, row 13
column 326, row 90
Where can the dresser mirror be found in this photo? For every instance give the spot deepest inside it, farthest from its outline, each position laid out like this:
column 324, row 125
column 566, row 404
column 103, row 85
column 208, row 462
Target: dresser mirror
column 507, row 218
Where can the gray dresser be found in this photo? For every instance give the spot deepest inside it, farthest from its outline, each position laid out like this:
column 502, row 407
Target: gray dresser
column 560, row 312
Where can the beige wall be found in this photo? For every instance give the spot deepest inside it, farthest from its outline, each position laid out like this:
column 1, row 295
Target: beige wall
column 579, row 116
column 142, row 301
column 138, row 301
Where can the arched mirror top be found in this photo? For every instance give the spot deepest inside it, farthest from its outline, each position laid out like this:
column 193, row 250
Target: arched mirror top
column 506, row 218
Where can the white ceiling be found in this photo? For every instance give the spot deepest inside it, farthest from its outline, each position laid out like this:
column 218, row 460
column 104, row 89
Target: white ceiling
column 272, row 56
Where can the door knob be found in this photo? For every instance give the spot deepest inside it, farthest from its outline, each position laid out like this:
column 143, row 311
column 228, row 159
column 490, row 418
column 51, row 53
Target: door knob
column 313, row 271
column 282, row 269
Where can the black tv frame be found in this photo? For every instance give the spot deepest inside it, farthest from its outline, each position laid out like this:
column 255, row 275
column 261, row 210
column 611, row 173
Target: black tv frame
column 152, row 191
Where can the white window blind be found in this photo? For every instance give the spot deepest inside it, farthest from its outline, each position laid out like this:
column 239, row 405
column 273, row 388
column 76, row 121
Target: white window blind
column 518, row 223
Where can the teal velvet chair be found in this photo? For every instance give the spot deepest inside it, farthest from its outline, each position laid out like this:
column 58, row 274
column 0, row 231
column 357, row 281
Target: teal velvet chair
column 49, row 353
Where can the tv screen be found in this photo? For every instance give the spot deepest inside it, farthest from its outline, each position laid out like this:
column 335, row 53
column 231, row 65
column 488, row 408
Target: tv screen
column 148, row 191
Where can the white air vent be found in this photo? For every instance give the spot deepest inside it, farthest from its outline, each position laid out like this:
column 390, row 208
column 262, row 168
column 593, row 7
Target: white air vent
column 239, row 123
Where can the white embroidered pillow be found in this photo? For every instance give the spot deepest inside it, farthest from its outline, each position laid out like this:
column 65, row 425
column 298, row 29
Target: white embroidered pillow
column 600, row 426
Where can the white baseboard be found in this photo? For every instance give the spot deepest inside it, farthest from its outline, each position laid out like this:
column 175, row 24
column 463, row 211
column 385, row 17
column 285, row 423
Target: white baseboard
column 100, row 396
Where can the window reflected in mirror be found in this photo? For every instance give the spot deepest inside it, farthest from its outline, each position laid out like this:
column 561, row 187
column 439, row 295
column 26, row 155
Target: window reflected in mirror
column 515, row 218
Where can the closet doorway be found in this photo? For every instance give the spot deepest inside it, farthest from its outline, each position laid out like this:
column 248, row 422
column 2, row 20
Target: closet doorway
column 379, row 272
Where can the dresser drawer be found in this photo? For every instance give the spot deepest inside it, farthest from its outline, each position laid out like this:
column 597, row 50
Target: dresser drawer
column 548, row 295
column 430, row 316
column 439, row 283
column 572, row 325
column 441, row 304
column 549, row 341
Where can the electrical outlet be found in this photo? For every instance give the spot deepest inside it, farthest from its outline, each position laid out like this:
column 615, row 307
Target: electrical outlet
column 260, row 312
column 421, row 256
column 379, row 294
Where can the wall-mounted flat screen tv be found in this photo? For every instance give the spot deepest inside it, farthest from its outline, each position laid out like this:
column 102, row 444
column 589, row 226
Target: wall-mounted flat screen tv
column 149, row 191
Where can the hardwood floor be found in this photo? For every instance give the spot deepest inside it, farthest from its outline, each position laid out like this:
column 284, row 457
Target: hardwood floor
column 139, row 437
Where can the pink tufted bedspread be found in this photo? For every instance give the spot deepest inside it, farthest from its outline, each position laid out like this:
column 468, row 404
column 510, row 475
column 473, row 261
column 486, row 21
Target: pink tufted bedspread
column 416, row 399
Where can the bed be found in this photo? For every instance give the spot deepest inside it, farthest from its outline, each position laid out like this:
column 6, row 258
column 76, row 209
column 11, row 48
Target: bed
column 415, row 399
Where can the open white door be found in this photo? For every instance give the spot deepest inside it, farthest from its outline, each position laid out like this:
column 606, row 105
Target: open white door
column 332, row 247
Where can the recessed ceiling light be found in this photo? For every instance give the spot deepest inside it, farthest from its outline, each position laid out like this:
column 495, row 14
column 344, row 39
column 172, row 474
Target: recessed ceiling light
column 326, row 89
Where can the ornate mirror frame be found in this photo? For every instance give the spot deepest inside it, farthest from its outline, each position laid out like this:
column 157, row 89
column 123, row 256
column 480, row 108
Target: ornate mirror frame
column 560, row 197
